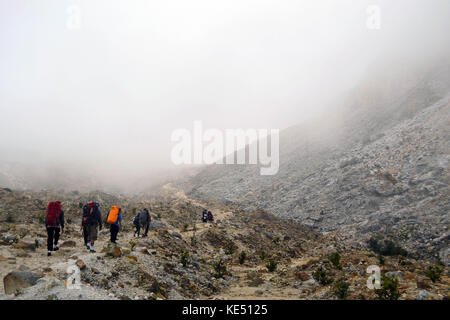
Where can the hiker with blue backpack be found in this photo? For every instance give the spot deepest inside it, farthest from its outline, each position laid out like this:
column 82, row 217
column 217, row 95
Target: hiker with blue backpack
column 54, row 223
column 204, row 216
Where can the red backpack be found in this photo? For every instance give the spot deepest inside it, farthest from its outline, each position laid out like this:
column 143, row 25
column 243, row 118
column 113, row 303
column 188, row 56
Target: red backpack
column 87, row 214
column 53, row 213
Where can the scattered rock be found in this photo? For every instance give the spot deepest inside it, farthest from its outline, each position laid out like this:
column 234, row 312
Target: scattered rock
column 177, row 235
column 68, row 244
column 80, row 264
column 16, row 280
column 132, row 258
column 25, row 245
column 423, row 294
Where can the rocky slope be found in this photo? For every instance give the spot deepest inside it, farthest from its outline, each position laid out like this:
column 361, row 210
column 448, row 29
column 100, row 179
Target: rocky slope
column 378, row 164
column 185, row 259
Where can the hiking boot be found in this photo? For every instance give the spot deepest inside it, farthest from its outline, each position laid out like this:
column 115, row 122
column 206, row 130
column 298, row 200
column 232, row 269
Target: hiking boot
column 55, row 248
column 49, row 253
column 92, row 251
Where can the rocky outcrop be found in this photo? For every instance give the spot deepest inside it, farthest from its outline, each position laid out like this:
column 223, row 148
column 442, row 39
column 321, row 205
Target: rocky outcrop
column 379, row 164
column 16, row 280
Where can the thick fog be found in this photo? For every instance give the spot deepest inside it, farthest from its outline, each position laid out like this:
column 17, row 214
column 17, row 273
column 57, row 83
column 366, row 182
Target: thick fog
column 97, row 87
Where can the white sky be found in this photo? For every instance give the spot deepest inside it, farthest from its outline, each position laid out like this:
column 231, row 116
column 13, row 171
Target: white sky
column 109, row 94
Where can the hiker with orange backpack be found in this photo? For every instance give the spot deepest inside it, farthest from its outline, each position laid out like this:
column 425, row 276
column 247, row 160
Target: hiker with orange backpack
column 54, row 223
column 114, row 219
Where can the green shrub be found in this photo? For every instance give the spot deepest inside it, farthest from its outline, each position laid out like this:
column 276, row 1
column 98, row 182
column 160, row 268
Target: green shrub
column 262, row 255
column 335, row 260
column 230, row 248
column 193, row 241
column 389, row 288
column 184, row 258
column 41, row 218
column 434, row 273
column 276, row 240
column 381, row 260
column 321, row 276
column 220, row 269
column 69, row 220
column 9, row 218
column 242, row 257
column 386, row 248
column 132, row 245
column 341, row 289
column 271, row 265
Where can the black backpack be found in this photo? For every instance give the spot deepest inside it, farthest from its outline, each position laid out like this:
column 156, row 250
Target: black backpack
column 136, row 220
column 86, row 212
column 143, row 217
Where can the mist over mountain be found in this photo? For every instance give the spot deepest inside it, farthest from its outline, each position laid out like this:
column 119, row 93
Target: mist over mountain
column 377, row 163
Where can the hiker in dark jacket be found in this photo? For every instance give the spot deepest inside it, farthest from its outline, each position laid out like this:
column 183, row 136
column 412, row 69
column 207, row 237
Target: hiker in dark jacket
column 210, row 217
column 204, row 216
column 54, row 226
column 86, row 210
column 93, row 223
column 136, row 225
column 144, row 220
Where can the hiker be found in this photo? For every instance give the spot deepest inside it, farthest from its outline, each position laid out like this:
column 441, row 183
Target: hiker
column 210, row 217
column 93, row 221
column 54, row 223
column 136, row 225
column 204, row 216
column 86, row 210
column 115, row 220
column 144, row 220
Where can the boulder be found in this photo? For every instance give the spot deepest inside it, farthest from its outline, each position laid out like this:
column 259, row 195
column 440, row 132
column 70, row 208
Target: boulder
column 25, row 245
column 112, row 251
column 68, row 244
column 177, row 235
column 132, row 259
column 9, row 238
column 155, row 224
column 19, row 279
column 80, row 264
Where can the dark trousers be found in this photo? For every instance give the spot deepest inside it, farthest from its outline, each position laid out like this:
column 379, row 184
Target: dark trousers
column 52, row 237
column 146, row 229
column 114, row 231
column 138, row 229
column 85, row 235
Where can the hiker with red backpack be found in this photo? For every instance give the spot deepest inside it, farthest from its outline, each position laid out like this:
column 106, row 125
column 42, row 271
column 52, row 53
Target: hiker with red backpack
column 54, row 222
column 92, row 222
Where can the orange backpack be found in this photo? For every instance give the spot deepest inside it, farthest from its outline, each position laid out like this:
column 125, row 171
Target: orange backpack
column 113, row 215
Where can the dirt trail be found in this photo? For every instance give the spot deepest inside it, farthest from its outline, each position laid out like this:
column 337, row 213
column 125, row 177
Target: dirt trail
column 219, row 214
